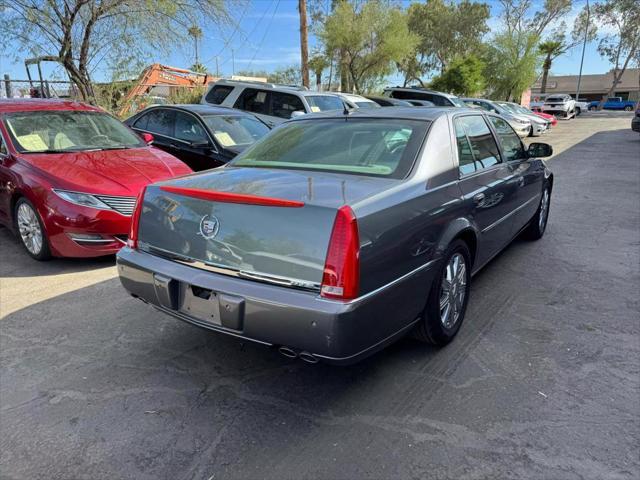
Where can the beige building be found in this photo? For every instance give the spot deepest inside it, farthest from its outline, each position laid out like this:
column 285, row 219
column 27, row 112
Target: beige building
column 594, row 87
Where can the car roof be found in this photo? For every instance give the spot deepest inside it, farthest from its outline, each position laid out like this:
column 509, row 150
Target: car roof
column 410, row 113
column 423, row 90
column 203, row 109
column 43, row 104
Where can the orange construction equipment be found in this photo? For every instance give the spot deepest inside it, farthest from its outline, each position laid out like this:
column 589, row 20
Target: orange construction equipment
column 157, row 75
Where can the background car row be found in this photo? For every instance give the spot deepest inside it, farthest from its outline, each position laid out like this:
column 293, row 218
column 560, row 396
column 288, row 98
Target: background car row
column 70, row 173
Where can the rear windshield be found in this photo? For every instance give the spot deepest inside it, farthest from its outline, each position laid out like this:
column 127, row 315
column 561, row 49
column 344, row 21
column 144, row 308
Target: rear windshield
column 235, row 131
column 372, row 146
column 68, row 131
column 556, row 99
column 457, row 102
column 367, row 105
column 323, row 103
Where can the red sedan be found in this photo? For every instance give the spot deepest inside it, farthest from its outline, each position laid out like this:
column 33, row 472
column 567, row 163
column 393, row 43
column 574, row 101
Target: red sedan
column 69, row 176
column 547, row 116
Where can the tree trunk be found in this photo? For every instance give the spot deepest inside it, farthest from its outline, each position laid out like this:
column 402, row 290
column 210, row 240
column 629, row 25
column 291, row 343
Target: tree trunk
column 617, row 75
column 304, row 44
column 319, row 81
column 546, row 66
column 344, row 71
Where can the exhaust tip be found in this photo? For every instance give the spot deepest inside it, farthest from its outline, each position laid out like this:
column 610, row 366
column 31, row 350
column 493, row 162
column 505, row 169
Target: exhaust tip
column 288, row 352
column 308, row 357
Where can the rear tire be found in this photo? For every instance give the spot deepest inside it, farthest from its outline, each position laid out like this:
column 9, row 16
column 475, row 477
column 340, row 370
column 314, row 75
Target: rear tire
column 538, row 224
column 448, row 297
column 30, row 230
column 628, row 109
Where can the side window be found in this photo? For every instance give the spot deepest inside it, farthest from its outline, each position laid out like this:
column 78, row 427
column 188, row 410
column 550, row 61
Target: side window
column 218, row 94
column 141, row 122
column 188, row 128
column 511, row 144
column 440, row 101
column 160, row 121
column 252, row 100
column 283, row 104
column 465, row 155
column 480, row 141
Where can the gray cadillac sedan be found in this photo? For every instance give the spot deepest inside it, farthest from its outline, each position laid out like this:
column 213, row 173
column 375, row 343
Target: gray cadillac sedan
column 338, row 233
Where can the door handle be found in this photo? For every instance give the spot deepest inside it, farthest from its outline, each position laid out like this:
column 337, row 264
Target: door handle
column 479, row 199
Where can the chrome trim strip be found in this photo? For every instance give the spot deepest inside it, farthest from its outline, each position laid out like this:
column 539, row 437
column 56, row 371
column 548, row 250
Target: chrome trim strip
column 516, row 210
column 222, row 270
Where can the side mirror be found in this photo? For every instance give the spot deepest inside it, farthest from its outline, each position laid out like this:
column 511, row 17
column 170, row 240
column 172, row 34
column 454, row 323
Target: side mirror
column 539, row 150
column 147, row 138
column 297, row 113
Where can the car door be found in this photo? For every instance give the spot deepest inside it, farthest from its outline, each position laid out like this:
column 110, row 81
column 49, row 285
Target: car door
column 284, row 104
column 5, row 182
column 257, row 102
column 526, row 174
column 192, row 144
column 158, row 122
column 486, row 182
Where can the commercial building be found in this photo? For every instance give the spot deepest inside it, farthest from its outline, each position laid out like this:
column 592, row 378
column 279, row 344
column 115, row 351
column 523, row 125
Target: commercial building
column 594, row 87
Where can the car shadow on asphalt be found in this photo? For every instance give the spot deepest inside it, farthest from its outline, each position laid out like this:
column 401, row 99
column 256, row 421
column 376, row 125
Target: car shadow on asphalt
column 15, row 262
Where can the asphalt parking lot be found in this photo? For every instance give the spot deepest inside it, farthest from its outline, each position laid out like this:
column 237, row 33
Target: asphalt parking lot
column 543, row 380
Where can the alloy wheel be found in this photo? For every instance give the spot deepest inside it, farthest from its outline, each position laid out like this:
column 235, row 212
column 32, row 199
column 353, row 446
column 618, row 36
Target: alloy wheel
column 453, row 290
column 29, row 228
column 544, row 210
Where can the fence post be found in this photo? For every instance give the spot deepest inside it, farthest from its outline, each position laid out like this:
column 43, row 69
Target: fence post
column 7, row 85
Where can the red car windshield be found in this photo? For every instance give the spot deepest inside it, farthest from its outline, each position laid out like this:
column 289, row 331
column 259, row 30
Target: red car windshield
column 68, row 131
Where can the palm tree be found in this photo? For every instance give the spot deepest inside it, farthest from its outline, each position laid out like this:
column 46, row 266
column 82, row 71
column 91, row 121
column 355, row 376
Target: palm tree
column 318, row 62
column 551, row 49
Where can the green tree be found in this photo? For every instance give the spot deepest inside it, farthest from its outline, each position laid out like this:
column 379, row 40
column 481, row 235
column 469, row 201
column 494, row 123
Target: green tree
column 512, row 55
column 622, row 45
column 446, row 30
column 373, row 36
column 318, row 63
column 464, row 76
column 79, row 34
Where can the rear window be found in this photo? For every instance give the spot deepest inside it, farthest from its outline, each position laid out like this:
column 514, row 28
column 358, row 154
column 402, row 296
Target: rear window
column 235, row 131
column 218, row 94
column 555, row 99
column 378, row 147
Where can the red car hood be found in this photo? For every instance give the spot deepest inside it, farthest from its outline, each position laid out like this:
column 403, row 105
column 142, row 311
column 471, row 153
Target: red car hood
column 109, row 172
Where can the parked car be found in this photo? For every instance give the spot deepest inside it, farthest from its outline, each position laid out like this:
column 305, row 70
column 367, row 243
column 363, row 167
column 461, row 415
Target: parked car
column 69, row 177
column 560, row 105
column 272, row 103
column 356, row 101
column 202, row 136
column 635, row 121
column 537, row 101
column 520, row 123
column 547, row 116
column 614, row 103
column 437, row 98
column 582, row 105
column 389, row 102
column 539, row 125
column 330, row 250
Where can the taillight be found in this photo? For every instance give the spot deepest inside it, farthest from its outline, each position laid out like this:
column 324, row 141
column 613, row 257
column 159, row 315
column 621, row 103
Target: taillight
column 132, row 241
column 341, row 276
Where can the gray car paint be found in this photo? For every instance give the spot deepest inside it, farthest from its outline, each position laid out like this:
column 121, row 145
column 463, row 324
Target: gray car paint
column 404, row 229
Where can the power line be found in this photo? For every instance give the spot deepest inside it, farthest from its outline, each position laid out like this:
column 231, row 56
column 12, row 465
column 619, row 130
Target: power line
column 264, row 36
column 227, row 42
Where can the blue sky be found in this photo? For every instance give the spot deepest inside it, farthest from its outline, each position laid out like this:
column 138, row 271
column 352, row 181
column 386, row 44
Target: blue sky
column 268, row 38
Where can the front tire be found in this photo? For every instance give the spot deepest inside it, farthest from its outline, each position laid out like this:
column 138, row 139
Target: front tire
column 538, row 224
column 31, row 231
column 448, row 297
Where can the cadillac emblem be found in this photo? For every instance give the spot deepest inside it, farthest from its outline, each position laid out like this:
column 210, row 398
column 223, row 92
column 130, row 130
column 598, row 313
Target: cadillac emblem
column 209, row 226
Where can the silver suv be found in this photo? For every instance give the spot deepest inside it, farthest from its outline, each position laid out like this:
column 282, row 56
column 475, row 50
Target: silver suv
column 272, row 103
column 439, row 99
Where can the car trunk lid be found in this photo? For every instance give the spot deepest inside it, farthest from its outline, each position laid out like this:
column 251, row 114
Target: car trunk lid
column 264, row 224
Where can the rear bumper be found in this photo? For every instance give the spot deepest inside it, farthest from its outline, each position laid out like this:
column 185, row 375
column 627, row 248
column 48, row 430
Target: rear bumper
column 332, row 331
column 555, row 111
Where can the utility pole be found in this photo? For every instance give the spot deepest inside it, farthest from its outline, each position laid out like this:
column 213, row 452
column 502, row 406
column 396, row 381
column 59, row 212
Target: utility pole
column 584, row 46
column 217, row 71
column 304, row 43
column 233, row 63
